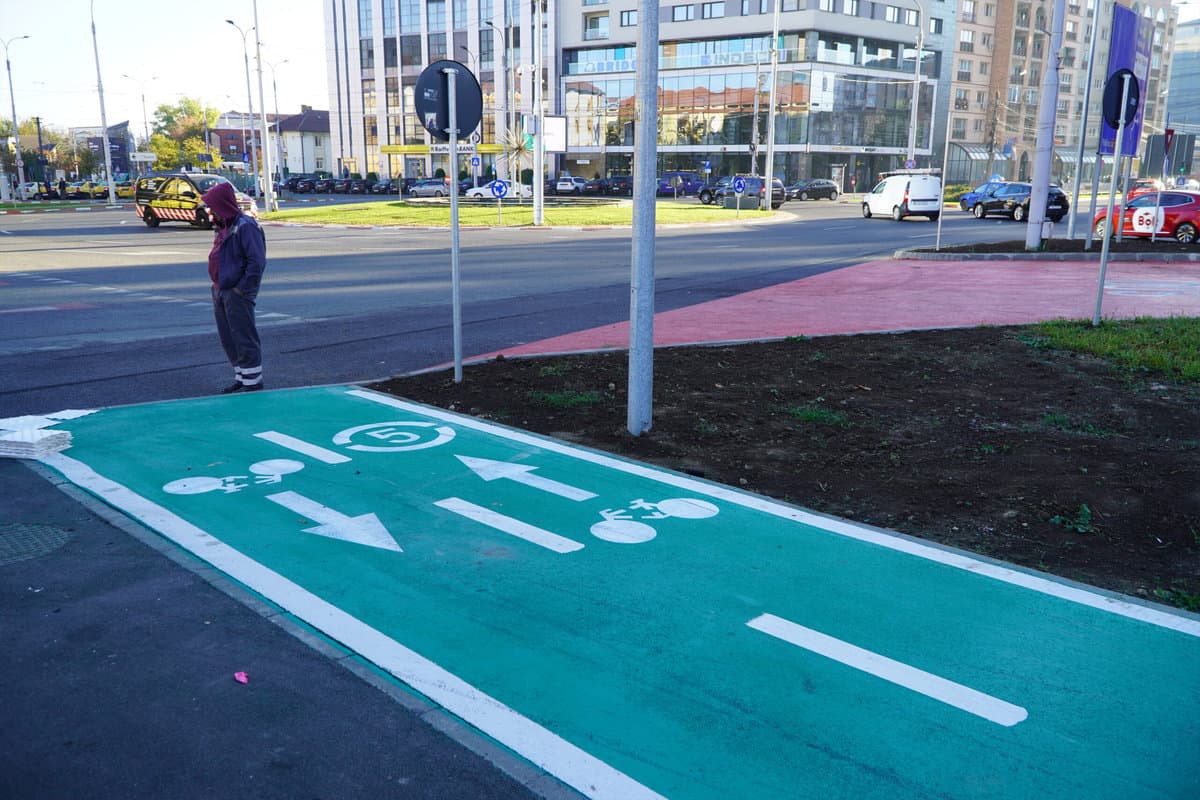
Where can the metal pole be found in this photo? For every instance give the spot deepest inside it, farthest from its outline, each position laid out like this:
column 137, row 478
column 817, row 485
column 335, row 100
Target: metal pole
column 1108, row 216
column 250, row 103
column 754, row 121
column 108, row 176
column 1087, row 100
column 769, row 172
column 271, row 204
column 13, row 99
column 641, row 284
column 507, row 174
column 278, row 129
column 539, row 138
column 916, row 93
column 455, row 284
column 1045, row 137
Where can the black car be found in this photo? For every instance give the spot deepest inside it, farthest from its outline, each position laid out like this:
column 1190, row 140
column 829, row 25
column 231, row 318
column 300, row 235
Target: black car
column 754, row 190
column 323, row 185
column 1012, row 200
column 360, row 186
column 387, row 186
column 341, row 186
column 294, row 180
column 619, row 185
column 813, row 189
column 708, row 192
column 304, row 185
column 595, row 186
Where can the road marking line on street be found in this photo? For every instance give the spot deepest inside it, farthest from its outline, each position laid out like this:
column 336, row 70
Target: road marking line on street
column 303, row 447
column 59, row 307
column 558, row 757
column 955, row 694
column 513, row 527
column 1111, row 604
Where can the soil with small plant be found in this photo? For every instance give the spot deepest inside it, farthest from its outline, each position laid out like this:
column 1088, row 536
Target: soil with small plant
column 1162, row 245
column 985, row 439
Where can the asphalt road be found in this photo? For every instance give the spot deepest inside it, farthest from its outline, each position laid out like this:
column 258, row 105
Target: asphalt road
column 118, row 664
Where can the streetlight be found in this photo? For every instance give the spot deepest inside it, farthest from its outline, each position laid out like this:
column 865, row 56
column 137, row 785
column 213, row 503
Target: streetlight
column 145, row 119
column 108, row 173
column 249, row 101
column 16, row 132
column 510, row 107
column 278, row 132
column 916, row 93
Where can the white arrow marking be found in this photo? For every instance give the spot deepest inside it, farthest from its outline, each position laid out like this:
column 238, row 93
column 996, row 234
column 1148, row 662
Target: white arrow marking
column 513, row 527
column 495, row 470
column 364, row 529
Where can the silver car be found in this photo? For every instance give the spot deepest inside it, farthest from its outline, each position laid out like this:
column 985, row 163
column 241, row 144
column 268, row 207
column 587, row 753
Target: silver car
column 430, row 187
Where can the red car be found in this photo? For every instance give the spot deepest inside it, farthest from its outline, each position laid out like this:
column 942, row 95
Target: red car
column 1171, row 215
column 1144, row 185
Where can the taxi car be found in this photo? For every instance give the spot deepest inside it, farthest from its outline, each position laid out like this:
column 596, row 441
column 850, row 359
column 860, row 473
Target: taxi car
column 125, row 190
column 88, row 189
column 177, row 197
column 1172, row 215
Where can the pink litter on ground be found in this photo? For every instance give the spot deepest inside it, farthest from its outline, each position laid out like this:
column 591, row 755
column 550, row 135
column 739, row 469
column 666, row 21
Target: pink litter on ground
column 241, row 677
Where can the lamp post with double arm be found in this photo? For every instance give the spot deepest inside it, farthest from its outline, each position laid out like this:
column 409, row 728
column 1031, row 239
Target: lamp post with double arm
column 250, row 102
column 16, row 131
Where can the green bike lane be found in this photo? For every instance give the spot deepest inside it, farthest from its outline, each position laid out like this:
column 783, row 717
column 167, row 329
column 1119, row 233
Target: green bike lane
column 640, row 633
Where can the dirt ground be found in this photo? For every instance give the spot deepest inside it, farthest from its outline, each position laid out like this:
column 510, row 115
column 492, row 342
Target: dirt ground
column 983, row 439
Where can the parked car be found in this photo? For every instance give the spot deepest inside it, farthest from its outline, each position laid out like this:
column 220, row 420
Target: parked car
column 430, row 187
column 1173, row 215
column 677, row 182
column 27, row 190
column 967, row 201
column 324, row 185
column 340, row 186
column 387, row 186
column 594, row 186
column 569, row 184
column 754, row 191
column 813, row 189
column 619, row 185
column 1144, row 185
column 708, row 192
column 360, row 186
column 93, row 190
column 904, row 195
column 45, row 192
column 1012, row 200
column 294, row 180
column 125, row 190
column 75, row 190
column 305, row 185
column 485, row 192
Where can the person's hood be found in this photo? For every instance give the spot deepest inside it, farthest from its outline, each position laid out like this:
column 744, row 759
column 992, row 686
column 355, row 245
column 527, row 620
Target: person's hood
column 222, row 200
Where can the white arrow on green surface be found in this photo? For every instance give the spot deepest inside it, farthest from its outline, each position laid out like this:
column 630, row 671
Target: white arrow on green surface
column 495, row 470
column 364, row 529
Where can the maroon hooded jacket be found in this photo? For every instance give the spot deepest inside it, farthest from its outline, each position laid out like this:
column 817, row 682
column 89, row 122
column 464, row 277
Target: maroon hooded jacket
column 239, row 252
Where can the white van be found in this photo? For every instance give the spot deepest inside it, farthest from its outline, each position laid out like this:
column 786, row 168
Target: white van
column 900, row 196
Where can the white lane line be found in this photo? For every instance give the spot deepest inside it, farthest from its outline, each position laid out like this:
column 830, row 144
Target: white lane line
column 303, row 447
column 955, row 694
column 513, row 527
column 567, row 762
column 1110, row 604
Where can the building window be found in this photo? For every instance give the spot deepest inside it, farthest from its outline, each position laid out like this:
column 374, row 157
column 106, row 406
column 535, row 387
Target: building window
column 825, row 5
column 435, row 12
column 935, row 25
column 790, row 5
column 682, row 13
column 1072, row 30
column 595, row 26
column 628, row 19
column 961, row 101
column 983, row 68
column 595, row 2
column 849, row 8
column 410, row 17
column 437, row 46
column 959, row 128
column 364, row 19
column 890, row 14
column 966, row 41
column 713, row 10
column 911, row 17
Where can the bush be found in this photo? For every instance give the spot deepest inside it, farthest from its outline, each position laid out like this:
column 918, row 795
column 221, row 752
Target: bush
column 955, row 192
column 440, row 174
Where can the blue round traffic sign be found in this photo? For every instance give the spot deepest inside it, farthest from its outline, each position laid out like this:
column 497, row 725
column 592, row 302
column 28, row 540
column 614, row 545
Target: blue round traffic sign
column 739, row 185
column 499, row 188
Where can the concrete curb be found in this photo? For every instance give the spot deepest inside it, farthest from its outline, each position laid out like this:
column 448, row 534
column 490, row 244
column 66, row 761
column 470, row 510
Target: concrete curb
column 1154, row 258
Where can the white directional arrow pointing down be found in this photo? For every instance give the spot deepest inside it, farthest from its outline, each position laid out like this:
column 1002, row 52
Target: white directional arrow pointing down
column 495, row 470
column 364, row 529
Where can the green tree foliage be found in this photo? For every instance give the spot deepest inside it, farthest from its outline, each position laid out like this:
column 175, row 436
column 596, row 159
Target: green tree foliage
column 184, row 120
column 167, row 150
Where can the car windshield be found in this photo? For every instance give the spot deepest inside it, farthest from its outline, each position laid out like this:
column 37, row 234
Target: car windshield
column 206, row 182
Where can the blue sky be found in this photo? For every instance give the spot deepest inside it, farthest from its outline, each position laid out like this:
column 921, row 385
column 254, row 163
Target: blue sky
column 173, row 48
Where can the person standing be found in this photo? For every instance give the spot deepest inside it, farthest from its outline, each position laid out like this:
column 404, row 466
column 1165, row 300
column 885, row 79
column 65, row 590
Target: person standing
column 62, row 189
column 235, row 265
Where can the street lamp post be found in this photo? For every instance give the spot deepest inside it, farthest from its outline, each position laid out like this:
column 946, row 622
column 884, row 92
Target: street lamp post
column 145, row 119
column 268, row 187
column 249, row 101
column 108, row 173
column 278, row 132
column 16, row 132
column 509, row 124
column 916, row 93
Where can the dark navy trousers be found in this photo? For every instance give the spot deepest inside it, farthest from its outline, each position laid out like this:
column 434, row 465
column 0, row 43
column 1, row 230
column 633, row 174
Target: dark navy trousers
column 234, row 313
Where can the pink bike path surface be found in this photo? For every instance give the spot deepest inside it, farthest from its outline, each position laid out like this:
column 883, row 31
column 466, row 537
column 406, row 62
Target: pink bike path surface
column 903, row 294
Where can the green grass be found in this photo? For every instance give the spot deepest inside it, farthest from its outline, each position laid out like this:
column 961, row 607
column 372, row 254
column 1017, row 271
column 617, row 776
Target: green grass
column 1068, row 424
column 566, row 399
column 814, row 414
column 1079, row 522
column 1169, row 347
column 477, row 213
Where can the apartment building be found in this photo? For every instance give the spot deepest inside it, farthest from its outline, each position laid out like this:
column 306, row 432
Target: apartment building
column 1000, row 60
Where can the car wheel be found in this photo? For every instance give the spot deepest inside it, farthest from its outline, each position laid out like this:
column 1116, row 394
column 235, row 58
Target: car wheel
column 1056, row 220
column 149, row 218
column 1101, row 229
column 1019, row 214
column 934, row 216
column 897, row 213
column 833, row 195
column 1185, row 233
column 437, row 193
column 705, row 197
column 978, row 211
column 866, row 211
column 776, row 206
column 203, row 220
column 962, row 204
column 804, row 195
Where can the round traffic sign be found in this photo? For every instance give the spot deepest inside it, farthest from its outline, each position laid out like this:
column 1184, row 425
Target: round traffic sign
column 910, row 164
column 739, row 185
column 432, row 100
column 499, row 188
column 1112, row 98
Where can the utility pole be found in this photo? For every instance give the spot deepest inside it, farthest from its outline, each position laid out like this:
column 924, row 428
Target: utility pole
column 1045, row 139
column 916, row 92
column 12, row 98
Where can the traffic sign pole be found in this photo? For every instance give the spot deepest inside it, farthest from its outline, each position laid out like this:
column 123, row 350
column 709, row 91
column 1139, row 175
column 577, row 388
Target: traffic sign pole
column 456, row 287
column 1126, row 76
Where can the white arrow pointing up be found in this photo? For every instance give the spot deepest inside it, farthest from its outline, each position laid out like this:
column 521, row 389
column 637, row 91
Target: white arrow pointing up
column 364, row 529
column 495, row 470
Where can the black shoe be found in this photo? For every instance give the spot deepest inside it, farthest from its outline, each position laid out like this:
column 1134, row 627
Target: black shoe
column 237, row 387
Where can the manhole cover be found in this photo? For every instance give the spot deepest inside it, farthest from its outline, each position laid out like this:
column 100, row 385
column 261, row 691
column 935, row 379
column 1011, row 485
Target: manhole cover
column 21, row 542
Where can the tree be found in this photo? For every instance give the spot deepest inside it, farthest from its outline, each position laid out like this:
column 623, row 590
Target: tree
column 184, row 120
column 167, row 149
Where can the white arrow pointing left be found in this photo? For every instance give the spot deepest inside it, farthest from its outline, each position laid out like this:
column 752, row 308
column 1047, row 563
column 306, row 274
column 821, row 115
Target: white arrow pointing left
column 364, row 529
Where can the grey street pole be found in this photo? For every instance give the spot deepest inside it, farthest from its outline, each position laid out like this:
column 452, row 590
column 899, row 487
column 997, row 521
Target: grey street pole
column 279, row 163
column 249, row 101
column 769, row 174
column 641, row 284
column 916, row 93
column 108, row 175
column 268, row 184
column 539, row 138
column 145, row 119
column 508, row 127
column 1083, row 119
column 13, row 99
column 1112, row 194
column 1045, row 138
